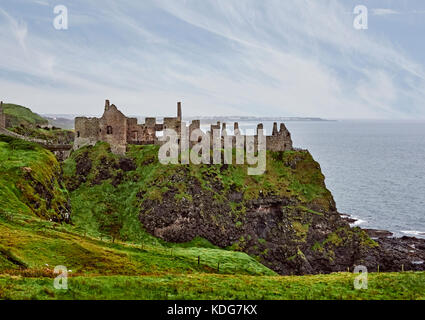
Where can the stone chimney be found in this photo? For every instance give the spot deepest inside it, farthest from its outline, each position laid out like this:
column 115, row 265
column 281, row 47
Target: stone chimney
column 274, row 129
column 179, row 110
column 223, row 130
column 107, row 105
column 259, row 127
column 236, row 128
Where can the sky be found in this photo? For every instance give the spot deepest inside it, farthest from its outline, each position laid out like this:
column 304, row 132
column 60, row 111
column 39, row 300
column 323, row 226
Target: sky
column 219, row 57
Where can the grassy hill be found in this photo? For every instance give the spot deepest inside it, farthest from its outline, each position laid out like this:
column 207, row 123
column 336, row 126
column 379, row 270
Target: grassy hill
column 17, row 115
column 23, row 121
column 30, row 248
column 34, row 238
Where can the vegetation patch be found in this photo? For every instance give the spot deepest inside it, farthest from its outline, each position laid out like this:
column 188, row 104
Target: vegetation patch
column 30, row 181
column 17, row 115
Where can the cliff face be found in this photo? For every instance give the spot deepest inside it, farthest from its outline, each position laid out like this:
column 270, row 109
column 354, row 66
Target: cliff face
column 286, row 218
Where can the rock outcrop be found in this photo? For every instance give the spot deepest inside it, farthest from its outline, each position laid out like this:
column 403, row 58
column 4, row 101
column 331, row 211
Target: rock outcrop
column 289, row 233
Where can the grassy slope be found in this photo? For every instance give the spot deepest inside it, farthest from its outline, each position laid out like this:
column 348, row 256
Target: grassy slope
column 18, row 115
column 381, row 286
column 25, row 168
column 147, row 268
column 33, row 243
column 103, row 270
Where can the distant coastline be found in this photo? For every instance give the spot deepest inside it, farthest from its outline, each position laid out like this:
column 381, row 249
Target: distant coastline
column 252, row 118
column 66, row 121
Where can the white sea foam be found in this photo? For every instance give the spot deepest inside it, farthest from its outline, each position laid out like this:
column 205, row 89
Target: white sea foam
column 414, row 232
column 357, row 222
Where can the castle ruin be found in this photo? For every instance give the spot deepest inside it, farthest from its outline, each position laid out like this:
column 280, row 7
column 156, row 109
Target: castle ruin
column 120, row 131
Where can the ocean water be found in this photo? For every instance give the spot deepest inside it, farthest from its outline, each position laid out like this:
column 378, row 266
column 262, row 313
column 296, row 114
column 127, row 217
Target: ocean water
column 374, row 169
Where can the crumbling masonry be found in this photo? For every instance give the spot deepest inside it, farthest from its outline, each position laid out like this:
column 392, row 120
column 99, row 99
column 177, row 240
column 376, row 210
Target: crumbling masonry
column 119, row 131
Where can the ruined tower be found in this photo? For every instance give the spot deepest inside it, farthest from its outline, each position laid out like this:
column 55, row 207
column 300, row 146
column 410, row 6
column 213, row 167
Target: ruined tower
column 2, row 116
column 275, row 132
column 279, row 140
column 179, row 111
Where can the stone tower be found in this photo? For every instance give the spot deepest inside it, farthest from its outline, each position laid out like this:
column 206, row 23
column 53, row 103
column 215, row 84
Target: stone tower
column 2, row 116
column 275, row 132
column 179, row 111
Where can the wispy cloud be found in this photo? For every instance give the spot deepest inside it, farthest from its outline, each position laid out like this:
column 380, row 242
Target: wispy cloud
column 18, row 29
column 41, row 3
column 384, row 12
column 275, row 57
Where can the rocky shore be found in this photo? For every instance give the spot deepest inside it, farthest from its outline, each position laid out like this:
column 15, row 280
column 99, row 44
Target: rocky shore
column 395, row 253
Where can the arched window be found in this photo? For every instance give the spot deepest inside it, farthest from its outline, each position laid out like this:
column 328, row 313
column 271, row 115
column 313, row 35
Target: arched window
column 78, row 134
column 108, row 130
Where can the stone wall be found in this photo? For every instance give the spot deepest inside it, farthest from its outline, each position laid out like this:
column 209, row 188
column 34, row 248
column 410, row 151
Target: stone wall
column 86, row 132
column 279, row 140
column 196, row 124
column 113, row 129
column 172, row 123
column 119, row 131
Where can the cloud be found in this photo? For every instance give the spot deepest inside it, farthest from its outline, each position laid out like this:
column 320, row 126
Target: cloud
column 41, row 3
column 384, row 12
column 298, row 58
column 17, row 28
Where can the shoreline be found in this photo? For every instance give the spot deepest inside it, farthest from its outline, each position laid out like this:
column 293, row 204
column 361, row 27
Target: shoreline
column 354, row 222
column 407, row 252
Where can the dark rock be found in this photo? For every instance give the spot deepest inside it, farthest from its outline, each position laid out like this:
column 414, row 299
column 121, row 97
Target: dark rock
column 348, row 218
column 378, row 233
column 83, row 164
column 127, row 164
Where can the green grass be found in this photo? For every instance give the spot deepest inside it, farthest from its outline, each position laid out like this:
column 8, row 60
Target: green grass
column 35, row 242
column 26, row 171
column 17, row 115
column 394, row 286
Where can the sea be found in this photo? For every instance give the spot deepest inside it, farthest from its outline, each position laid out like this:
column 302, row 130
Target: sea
column 374, row 169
